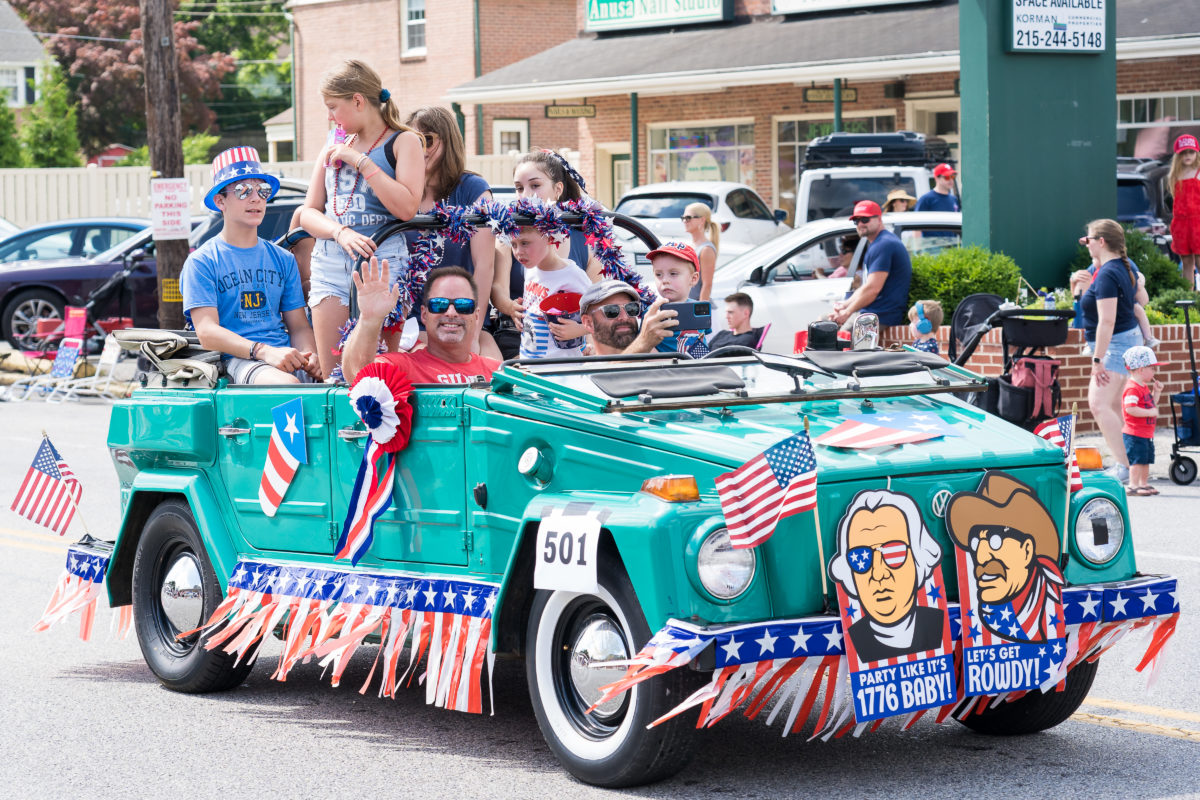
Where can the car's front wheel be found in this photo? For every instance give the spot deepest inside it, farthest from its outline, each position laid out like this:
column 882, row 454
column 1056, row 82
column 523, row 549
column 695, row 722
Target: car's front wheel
column 175, row 589
column 22, row 313
column 1036, row 711
column 568, row 633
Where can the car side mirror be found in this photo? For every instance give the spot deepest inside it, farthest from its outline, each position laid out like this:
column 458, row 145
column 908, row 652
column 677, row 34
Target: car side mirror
column 780, row 215
column 756, row 277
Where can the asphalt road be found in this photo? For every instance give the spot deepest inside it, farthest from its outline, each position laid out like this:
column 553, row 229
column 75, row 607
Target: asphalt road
column 88, row 719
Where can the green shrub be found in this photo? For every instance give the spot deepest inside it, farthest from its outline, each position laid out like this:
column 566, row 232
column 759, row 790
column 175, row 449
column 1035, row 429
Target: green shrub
column 957, row 272
column 1161, row 272
column 1163, row 305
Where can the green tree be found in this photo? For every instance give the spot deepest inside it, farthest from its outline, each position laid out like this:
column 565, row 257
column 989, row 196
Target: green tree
column 1162, row 274
column 196, row 150
column 10, row 150
column 48, row 136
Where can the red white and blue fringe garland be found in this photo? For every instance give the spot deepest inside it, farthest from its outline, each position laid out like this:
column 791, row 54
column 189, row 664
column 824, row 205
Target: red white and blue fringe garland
column 78, row 590
column 752, row 670
column 327, row 614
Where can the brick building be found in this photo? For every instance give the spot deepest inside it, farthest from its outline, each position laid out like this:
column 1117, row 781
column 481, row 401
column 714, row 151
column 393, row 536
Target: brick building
column 747, row 83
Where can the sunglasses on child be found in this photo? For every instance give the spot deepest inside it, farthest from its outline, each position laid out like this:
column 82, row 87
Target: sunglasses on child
column 613, row 310
column 894, row 555
column 242, row 190
column 440, row 305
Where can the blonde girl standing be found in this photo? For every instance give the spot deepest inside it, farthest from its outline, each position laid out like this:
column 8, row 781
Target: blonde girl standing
column 372, row 170
column 1184, row 180
column 706, row 238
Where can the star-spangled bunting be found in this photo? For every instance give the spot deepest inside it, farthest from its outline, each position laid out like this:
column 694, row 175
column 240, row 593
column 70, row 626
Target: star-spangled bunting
column 50, row 494
column 861, row 431
column 1061, row 431
column 777, row 483
column 78, row 591
column 285, row 454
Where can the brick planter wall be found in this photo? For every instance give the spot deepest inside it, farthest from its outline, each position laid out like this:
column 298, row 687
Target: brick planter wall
column 1076, row 367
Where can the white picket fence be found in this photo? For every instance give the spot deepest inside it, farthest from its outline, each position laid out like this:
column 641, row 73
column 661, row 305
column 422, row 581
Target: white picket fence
column 33, row 196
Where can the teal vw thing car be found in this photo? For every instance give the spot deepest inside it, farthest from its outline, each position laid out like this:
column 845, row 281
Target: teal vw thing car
column 567, row 514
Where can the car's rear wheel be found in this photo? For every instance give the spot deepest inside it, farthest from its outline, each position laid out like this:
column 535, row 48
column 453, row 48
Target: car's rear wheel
column 1036, row 711
column 611, row 746
column 22, row 313
column 175, row 589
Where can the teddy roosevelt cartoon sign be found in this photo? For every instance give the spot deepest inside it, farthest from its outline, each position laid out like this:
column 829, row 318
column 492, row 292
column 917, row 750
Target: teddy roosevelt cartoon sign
column 892, row 602
column 1010, row 587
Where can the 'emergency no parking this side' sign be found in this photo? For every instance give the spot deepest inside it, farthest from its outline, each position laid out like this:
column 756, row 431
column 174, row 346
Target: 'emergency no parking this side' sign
column 170, row 201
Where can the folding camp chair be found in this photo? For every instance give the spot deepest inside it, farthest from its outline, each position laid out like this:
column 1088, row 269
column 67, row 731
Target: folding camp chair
column 98, row 384
column 50, row 332
column 62, row 370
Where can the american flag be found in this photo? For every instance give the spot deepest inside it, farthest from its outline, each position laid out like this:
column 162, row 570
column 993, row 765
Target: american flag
column 861, row 431
column 50, row 493
column 285, row 454
column 1061, row 432
column 779, row 482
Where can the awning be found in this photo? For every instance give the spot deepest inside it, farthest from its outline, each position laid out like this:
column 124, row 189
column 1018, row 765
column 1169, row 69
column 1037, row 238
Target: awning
column 901, row 40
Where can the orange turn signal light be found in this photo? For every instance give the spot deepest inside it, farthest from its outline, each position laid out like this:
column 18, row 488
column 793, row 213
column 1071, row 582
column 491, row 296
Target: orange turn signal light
column 1089, row 458
column 673, row 488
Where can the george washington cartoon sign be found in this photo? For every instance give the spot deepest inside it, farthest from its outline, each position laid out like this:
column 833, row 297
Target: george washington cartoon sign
column 1010, row 586
column 892, row 601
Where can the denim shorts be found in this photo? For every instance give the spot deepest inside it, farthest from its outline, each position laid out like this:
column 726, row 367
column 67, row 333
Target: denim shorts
column 1114, row 357
column 1138, row 449
column 330, row 266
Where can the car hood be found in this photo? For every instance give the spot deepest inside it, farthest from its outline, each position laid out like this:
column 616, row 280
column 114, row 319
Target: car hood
column 15, row 268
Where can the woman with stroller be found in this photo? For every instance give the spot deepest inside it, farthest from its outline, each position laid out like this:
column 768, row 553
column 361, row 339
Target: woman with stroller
column 1111, row 328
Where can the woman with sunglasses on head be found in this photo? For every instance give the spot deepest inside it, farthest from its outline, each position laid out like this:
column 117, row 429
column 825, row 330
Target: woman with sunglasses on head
column 447, row 180
column 546, row 176
column 706, row 237
column 371, row 171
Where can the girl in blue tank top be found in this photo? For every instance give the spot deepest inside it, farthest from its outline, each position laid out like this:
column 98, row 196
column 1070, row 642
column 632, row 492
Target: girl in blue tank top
column 547, row 176
column 371, row 170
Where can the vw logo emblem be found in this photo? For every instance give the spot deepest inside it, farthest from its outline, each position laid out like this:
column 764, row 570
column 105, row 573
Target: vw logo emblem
column 939, row 502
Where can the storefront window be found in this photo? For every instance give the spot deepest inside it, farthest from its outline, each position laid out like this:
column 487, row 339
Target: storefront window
column 793, row 135
column 1148, row 124
column 702, row 153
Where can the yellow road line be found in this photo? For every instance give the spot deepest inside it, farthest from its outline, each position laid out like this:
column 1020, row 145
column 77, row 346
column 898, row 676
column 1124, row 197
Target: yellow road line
column 1154, row 711
column 1139, row 727
column 10, row 538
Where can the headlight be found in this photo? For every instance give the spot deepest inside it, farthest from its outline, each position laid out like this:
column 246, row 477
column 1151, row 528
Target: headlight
column 724, row 571
column 1099, row 530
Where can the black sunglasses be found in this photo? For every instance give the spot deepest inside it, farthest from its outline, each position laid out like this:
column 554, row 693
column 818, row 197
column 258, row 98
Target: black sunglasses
column 613, row 310
column 440, row 305
column 688, row 218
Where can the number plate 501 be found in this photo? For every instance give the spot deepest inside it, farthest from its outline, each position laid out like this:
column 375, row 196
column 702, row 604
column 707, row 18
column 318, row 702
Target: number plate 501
column 566, row 553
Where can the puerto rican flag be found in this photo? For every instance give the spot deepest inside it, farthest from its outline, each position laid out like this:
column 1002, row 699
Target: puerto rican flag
column 286, row 453
column 371, row 497
column 1061, row 432
column 861, row 431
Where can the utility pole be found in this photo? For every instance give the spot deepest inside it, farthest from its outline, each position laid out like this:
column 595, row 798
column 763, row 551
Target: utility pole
column 165, row 136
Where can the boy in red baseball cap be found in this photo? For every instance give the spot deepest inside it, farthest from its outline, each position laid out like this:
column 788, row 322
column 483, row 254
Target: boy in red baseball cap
column 939, row 198
column 676, row 270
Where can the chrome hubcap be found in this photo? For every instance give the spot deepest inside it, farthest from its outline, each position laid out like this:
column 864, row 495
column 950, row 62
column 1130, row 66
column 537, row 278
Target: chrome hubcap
column 25, row 318
column 182, row 596
column 599, row 641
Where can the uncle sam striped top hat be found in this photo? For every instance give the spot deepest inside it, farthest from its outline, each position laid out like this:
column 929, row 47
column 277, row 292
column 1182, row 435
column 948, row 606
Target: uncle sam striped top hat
column 233, row 165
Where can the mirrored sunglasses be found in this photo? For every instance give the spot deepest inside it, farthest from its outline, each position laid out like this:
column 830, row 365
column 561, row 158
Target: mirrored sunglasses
column 613, row 310
column 440, row 305
column 894, row 555
column 242, row 190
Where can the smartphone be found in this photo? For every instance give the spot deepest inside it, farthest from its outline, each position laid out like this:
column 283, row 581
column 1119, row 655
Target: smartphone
column 693, row 315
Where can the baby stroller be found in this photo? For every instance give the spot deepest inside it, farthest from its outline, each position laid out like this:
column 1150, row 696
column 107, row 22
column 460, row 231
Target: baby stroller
column 1184, row 408
column 1027, row 392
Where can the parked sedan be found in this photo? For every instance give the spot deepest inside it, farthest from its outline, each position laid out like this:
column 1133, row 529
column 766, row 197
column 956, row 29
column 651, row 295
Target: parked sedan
column 744, row 218
column 788, row 278
column 33, row 290
column 73, row 238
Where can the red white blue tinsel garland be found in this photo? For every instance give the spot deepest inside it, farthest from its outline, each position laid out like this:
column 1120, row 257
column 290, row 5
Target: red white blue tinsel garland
column 327, row 614
column 787, row 663
column 79, row 589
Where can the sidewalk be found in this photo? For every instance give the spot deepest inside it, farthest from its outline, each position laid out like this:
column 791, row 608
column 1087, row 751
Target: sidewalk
column 1164, row 437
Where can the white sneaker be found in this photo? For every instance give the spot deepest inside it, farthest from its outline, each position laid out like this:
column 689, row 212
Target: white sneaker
column 1118, row 471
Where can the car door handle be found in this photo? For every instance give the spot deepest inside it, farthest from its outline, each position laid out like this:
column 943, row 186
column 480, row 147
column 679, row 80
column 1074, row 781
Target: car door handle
column 229, row 430
column 350, row 434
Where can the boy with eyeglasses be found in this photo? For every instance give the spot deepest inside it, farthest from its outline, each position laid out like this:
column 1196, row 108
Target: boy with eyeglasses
column 450, row 313
column 241, row 293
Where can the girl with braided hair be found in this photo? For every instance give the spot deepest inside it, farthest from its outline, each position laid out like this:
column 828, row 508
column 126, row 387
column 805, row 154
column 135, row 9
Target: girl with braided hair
column 1111, row 326
column 546, row 176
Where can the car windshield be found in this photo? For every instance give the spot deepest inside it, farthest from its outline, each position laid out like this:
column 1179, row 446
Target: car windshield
column 1133, row 199
column 835, row 197
column 661, row 206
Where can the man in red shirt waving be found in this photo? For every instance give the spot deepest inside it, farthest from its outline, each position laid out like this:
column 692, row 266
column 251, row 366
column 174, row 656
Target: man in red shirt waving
column 452, row 318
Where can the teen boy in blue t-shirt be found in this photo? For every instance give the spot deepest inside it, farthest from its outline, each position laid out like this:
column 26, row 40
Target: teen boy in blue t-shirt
column 243, row 294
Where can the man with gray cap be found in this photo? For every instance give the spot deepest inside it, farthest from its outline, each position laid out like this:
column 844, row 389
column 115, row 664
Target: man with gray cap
column 609, row 311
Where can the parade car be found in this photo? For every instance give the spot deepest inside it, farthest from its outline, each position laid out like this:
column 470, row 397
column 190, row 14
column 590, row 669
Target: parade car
column 825, row 542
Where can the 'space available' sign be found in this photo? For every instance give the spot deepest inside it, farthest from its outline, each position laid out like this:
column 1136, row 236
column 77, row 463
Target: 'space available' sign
column 1057, row 26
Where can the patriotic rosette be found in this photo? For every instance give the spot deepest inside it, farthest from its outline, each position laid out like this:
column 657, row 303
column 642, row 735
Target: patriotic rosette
column 327, row 614
column 380, row 398
column 79, row 588
column 791, row 665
